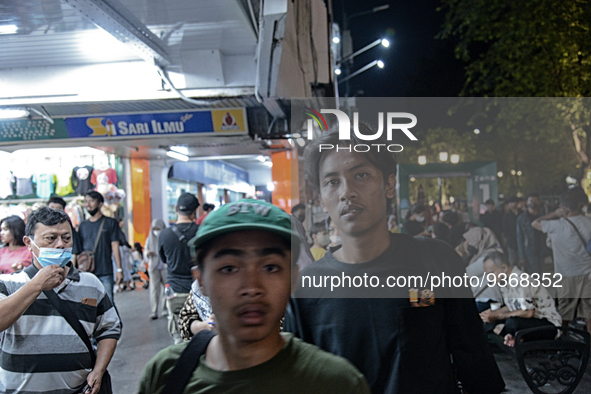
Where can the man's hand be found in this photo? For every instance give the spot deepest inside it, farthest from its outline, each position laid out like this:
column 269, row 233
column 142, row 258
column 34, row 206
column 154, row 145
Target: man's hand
column 119, row 278
column 48, row 278
column 489, row 316
column 93, row 379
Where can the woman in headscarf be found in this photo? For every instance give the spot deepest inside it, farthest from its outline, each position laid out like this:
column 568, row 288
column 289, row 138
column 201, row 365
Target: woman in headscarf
column 156, row 271
column 478, row 243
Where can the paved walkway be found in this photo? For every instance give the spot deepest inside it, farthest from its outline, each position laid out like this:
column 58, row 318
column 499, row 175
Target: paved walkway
column 143, row 338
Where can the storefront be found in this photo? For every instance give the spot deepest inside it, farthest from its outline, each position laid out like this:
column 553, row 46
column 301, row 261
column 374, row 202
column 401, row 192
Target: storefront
column 214, row 182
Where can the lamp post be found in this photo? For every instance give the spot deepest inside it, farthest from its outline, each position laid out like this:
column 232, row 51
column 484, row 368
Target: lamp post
column 378, row 63
column 346, row 36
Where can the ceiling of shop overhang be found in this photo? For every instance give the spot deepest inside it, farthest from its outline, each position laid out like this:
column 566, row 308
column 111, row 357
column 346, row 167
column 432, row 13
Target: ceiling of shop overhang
column 54, row 33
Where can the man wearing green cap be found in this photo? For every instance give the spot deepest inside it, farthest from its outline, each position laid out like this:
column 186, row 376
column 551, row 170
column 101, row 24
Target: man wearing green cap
column 244, row 260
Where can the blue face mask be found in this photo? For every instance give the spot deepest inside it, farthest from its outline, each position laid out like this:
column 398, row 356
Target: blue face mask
column 52, row 256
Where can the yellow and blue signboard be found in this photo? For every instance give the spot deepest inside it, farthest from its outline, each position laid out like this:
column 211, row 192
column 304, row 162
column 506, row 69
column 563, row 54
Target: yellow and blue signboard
column 216, row 121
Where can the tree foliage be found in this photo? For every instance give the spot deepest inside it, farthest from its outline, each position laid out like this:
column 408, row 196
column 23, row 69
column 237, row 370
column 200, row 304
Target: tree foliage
column 530, row 49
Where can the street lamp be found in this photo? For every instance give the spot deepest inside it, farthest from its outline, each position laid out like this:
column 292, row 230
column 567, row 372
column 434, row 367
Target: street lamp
column 443, row 156
column 385, row 43
column 378, row 63
column 455, row 158
column 422, row 159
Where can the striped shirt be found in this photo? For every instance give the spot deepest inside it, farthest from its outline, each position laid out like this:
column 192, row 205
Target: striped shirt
column 41, row 352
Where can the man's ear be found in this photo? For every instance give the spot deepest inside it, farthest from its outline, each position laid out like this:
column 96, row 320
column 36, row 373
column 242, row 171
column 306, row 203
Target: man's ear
column 28, row 243
column 391, row 186
column 197, row 274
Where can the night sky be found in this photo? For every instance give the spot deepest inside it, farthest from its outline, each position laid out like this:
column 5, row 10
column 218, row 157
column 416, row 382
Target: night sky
column 416, row 63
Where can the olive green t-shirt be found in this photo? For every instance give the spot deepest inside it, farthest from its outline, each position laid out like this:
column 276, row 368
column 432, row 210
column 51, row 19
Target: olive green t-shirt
column 297, row 368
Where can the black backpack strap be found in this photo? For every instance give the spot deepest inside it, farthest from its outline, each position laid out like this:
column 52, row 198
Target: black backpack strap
column 181, row 234
column 187, row 362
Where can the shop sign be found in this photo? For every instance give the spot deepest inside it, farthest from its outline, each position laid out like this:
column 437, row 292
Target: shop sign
column 211, row 172
column 216, row 121
column 158, row 124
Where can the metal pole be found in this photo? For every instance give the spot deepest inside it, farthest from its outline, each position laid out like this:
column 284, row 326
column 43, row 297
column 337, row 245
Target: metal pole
column 362, row 69
column 365, row 48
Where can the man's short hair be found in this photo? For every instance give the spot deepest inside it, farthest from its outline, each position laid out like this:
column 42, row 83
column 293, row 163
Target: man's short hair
column 317, row 227
column 16, row 226
column 440, row 230
column 187, row 203
column 497, row 258
column 572, row 199
column 382, row 159
column 298, row 207
column 490, row 201
column 513, row 199
column 208, row 207
column 450, row 217
column 57, row 200
column 95, row 196
column 46, row 216
column 418, row 209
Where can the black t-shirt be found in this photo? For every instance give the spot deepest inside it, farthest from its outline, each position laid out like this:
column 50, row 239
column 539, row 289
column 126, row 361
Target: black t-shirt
column 88, row 230
column 81, row 179
column 412, row 227
column 399, row 348
column 76, row 242
column 177, row 256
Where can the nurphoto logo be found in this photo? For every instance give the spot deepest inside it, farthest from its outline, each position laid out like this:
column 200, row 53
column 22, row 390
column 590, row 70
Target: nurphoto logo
column 345, row 129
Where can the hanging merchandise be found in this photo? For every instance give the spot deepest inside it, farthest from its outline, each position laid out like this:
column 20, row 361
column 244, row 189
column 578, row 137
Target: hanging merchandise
column 81, row 179
column 45, row 185
column 24, row 182
column 63, row 185
column 103, row 177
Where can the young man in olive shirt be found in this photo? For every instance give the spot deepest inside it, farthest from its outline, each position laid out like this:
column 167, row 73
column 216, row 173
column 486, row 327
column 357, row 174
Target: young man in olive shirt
column 246, row 268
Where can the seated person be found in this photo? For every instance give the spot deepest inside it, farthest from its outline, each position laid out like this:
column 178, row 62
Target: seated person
column 320, row 239
column 525, row 306
column 246, row 269
column 414, row 225
column 441, row 231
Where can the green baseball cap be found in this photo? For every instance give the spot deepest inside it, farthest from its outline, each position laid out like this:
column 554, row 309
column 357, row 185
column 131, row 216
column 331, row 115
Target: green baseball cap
column 246, row 214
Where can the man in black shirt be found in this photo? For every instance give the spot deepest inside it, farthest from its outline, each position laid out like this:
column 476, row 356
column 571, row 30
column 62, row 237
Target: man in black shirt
column 174, row 251
column 531, row 243
column 403, row 339
column 510, row 230
column 493, row 219
column 108, row 241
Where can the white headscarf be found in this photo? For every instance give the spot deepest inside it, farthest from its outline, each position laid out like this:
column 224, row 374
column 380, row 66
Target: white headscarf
column 152, row 243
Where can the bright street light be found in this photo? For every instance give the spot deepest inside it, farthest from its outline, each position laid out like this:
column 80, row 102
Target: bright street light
column 377, row 42
column 455, row 158
column 336, row 40
column 337, row 71
column 500, row 174
column 443, row 156
column 476, row 131
column 422, row 159
column 362, row 69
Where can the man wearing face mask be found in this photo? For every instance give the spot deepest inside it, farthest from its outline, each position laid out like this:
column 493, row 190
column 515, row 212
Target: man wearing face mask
column 107, row 230
column 321, row 240
column 41, row 352
column 531, row 243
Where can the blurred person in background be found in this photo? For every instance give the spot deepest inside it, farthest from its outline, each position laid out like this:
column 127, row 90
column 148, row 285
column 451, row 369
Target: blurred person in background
column 14, row 255
column 320, row 240
column 414, row 225
column 492, row 218
column 156, row 271
column 207, row 208
column 510, row 230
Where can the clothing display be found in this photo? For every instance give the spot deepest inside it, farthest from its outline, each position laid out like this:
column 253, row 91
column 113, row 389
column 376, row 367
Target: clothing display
column 45, row 185
column 24, row 182
column 297, row 368
column 81, row 177
column 108, row 176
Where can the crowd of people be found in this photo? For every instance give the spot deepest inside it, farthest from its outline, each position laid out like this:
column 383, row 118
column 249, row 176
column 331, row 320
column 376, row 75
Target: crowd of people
column 243, row 319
